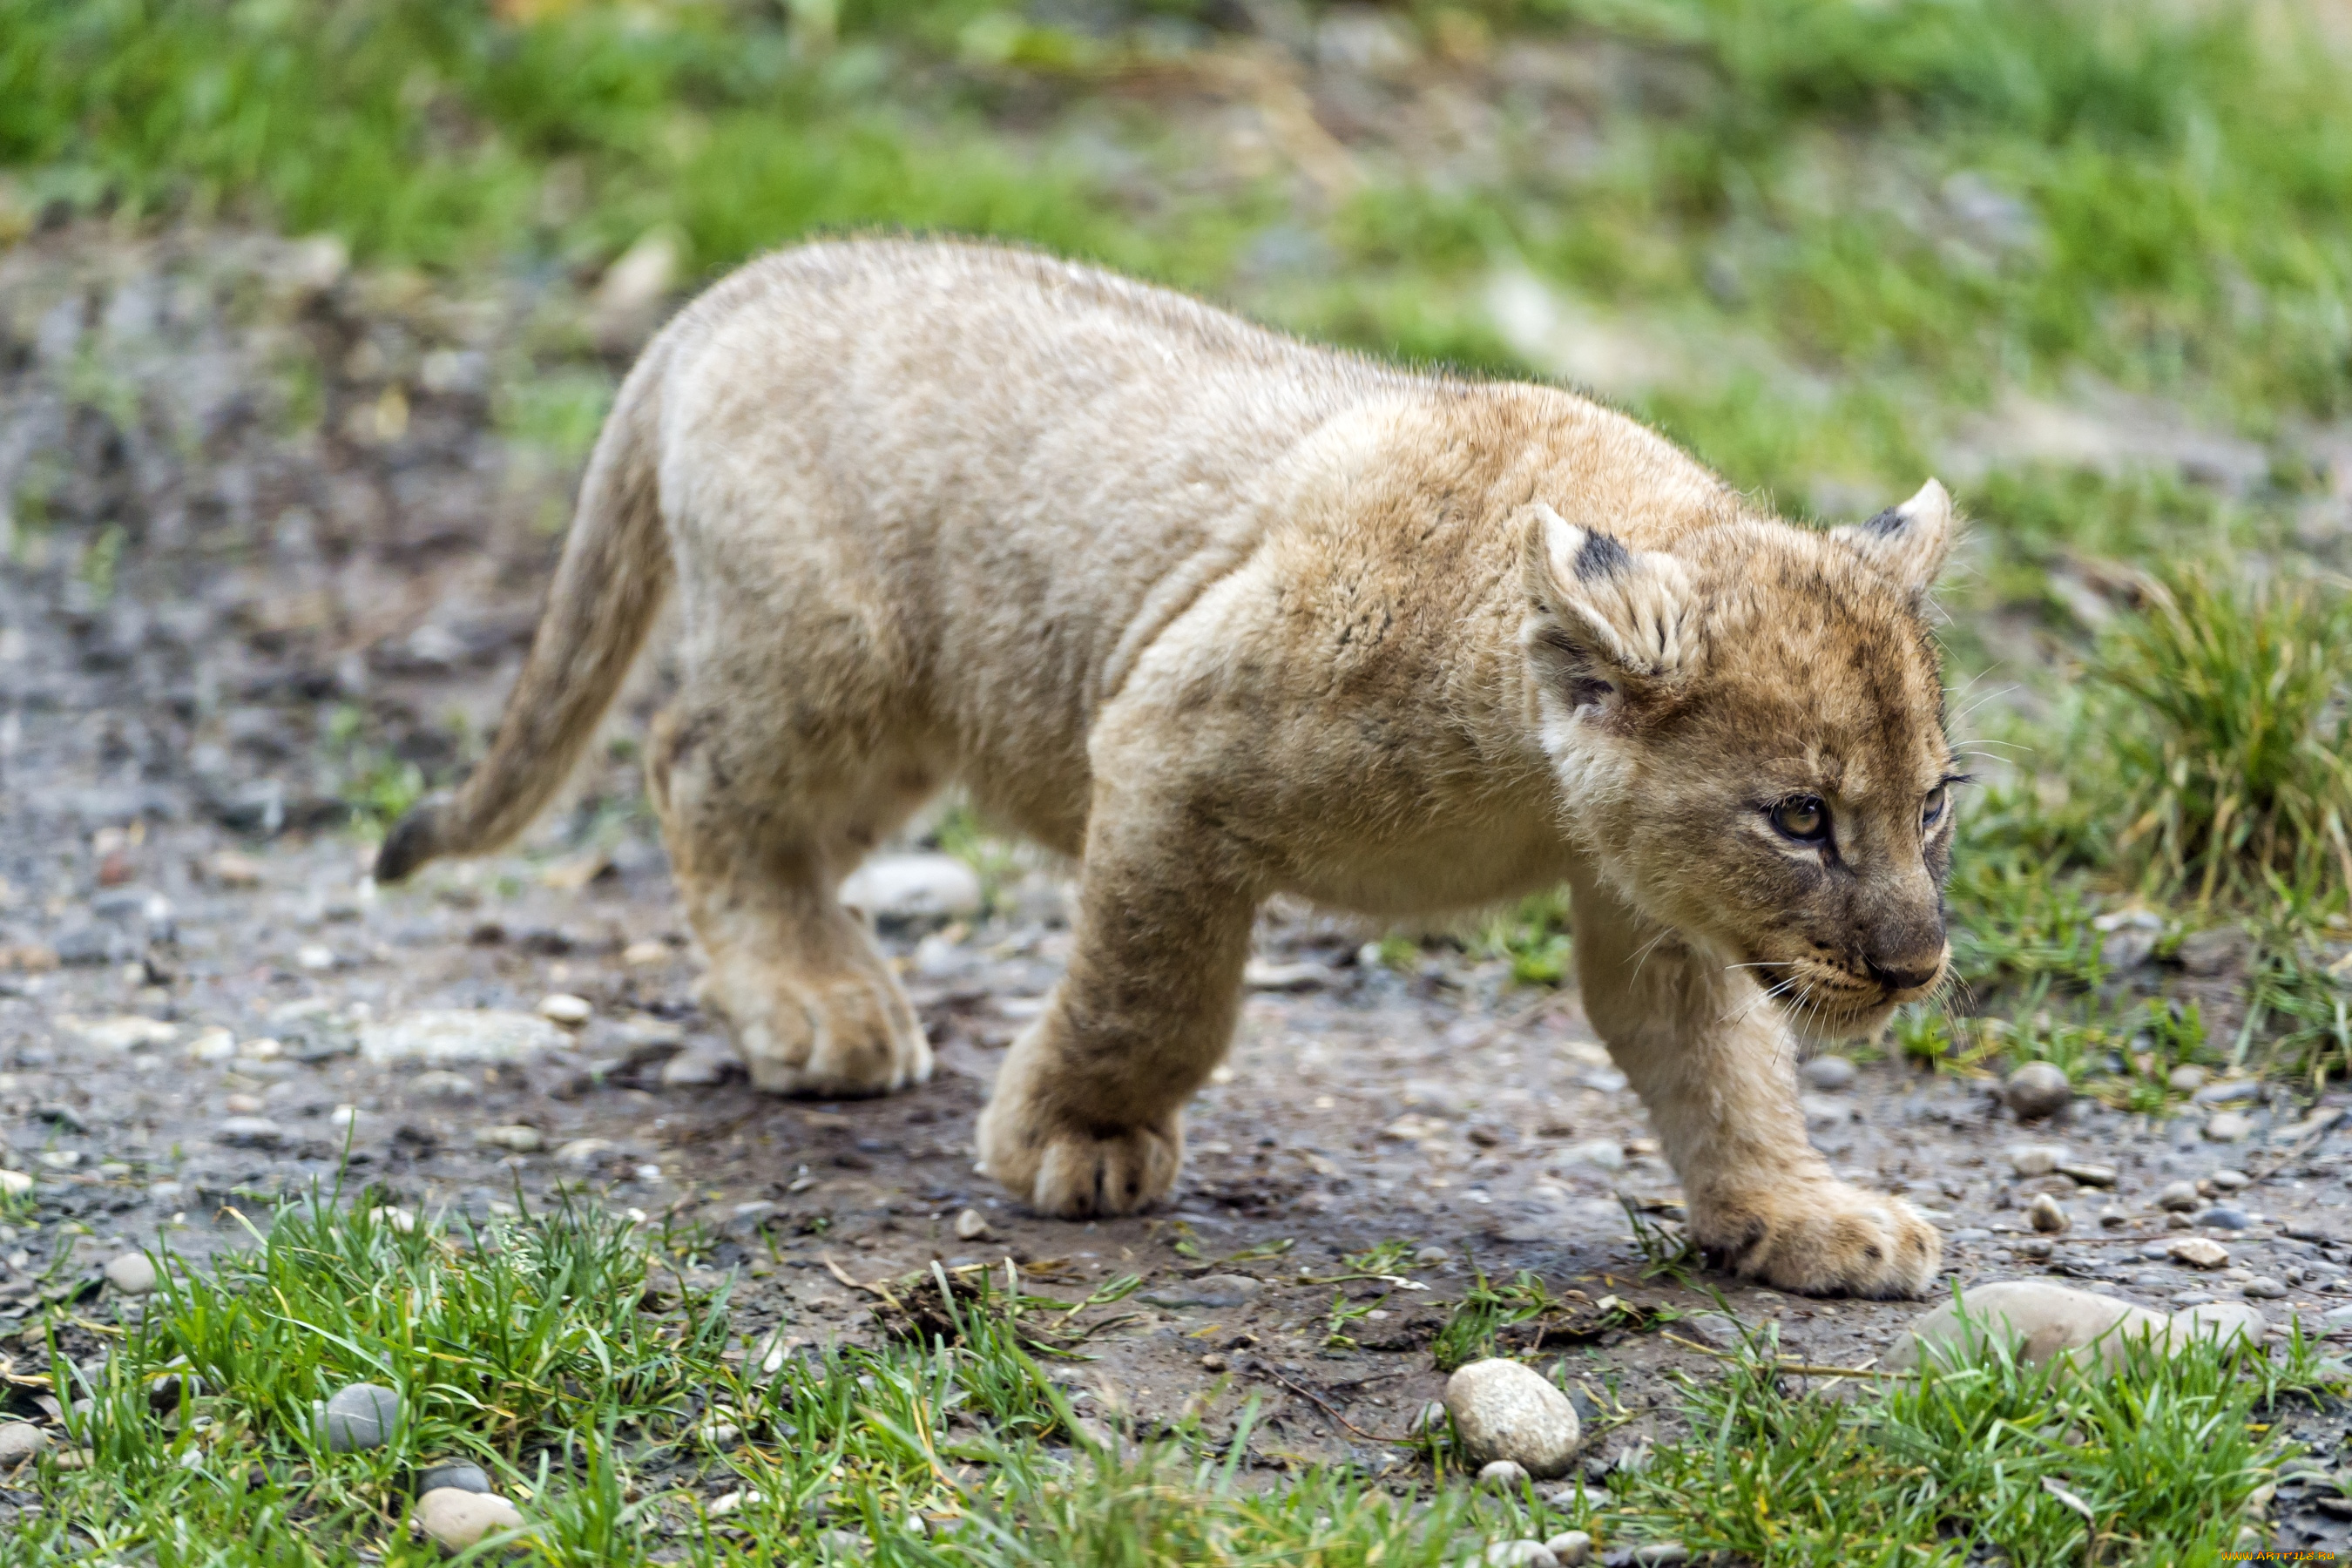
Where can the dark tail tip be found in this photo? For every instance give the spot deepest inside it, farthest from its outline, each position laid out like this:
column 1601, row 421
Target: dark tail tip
column 408, row 846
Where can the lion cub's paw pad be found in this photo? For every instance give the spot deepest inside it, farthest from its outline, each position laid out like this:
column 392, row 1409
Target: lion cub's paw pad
column 1826, row 1241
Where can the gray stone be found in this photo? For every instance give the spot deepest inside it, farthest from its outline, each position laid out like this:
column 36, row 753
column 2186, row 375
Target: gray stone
column 456, row 1519
column 133, row 1273
column 2223, row 1217
column 516, row 1138
column 2229, row 1092
column 1828, row 1074
column 2230, row 1181
column 2220, row 951
column 2037, row 1089
column 250, row 1132
column 2127, row 949
column 2186, row 1078
column 2219, row 1320
column 1208, row 1290
column 2036, row 1159
column 2088, row 1174
column 2262, row 1287
column 899, row 889
column 2040, row 1321
column 2179, row 1198
column 454, row 1475
column 362, row 1415
column 2229, row 1126
column 1504, row 1411
column 1502, row 1475
column 19, row 1441
column 436, row 1037
column 2198, row 1253
column 2048, row 1215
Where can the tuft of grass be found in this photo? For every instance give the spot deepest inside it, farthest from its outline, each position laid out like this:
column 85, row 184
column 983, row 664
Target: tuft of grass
column 2238, row 776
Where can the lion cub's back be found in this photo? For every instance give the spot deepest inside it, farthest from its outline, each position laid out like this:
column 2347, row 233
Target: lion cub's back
column 1026, row 465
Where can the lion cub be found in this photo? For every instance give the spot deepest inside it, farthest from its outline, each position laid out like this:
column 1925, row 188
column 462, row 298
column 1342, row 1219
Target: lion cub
column 1224, row 615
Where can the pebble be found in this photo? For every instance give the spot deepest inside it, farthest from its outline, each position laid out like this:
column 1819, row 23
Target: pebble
column 14, row 1183
column 214, row 1044
column 230, row 868
column 1432, row 1256
column 456, row 1519
column 133, row 1273
column 2229, row 1126
column 250, row 1133
column 2179, row 1196
column 442, row 1085
column 581, row 1154
column 393, row 1218
column 1502, row 1475
column 1661, row 1555
column 2037, row 1089
column 2036, row 1159
column 2221, row 1321
column 563, row 1008
column 436, row 1037
column 2043, row 1321
column 1521, row 1554
column 2229, row 1092
column 2048, row 1215
column 2262, row 1287
column 362, row 1415
column 2186, row 1078
column 1505, row 1411
column 457, row 1475
column 2230, row 1181
column 1573, row 1548
column 2337, row 1318
column 907, row 887
column 519, row 1139
column 19, row 1441
column 2223, row 1217
column 1828, row 1073
column 2087, row 1175
column 2198, row 1252
column 970, row 1225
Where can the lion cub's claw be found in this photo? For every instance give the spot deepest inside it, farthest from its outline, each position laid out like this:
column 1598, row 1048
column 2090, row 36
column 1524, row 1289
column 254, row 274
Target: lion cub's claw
column 839, row 1038
column 1822, row 1239
column 1074, row 1173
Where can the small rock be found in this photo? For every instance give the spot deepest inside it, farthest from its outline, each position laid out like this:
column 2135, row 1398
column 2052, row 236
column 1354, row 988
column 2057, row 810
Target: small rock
column 456, row 1519
column 128, row 1033
column 1830, row 1075
column 1661, row 1555
column 441, row 1085
column 720, row 1437
column 2221, row 1217
column 2127, row 949
column 2229, row 1181
column 2198, row 1253
column 905, row 889
column 2219, row 1320
column 563, row 1008
column 1520, row 1553
column 2229, row 1092
column 19, row 1441
column 970, row 1225
column 231, row 869
column 133, row 1273
column 362, row 1415
column 1260, row 975
column 1716, row 1329
column 460, row 1035
column 582, row 1153
column 1432, row 1256
column 1208, row 1290
column 517, row 1139
column 2088, row 1174
column 2180, row 1197
column 1502, row 1475
column 2263, row 1288
column 250, row 1132
column 2036, row 1091
column 2042, row 1321
column 1573, row 1548
column 393, row 1218
column 2186, row 1078
column 1505, row 1411
column 646, row 953
column 453, row 1474
column 14, row 1183
column 2220, row 951
column 2229, row 1126
column 2036, row 1159
column 2048, row 1215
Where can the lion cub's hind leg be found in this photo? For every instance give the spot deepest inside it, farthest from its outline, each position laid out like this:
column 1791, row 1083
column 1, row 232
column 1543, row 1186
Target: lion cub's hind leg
column 759, row 844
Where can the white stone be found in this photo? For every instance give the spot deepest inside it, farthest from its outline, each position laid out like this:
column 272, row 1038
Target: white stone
column 437, row 1037
column 2229, row 1126
column 14, row 1183
column 1573, row 1548
column 1520, row 1553
column 516, row 1138
column 19, row 1441
column 1504, row 1411
column 1828, row 1074
column 392, row 1218
column 1502, row 1475
column 133, row 1273
column 2036, row 1159
column 970, row 1225
column 250, row 1133
column 2219, row 1320
column 213, row 1045
column 127, row 1033
column 2038, row 1321
column 455, row 1518
column 2048, row 1215
column 914, row 887
column 561, row 1007
column 581, row 1153
column 698, row 1066
column 2198, row 1253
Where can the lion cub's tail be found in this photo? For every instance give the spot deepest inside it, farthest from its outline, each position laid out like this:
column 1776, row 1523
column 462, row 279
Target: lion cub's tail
column 608, row 587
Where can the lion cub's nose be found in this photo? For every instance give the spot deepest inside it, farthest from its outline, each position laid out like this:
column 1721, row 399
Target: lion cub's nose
column 1905, row 974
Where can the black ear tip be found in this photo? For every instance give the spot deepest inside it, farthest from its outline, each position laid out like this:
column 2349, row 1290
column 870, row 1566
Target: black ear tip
column 1890, row 521
column 1601, row 555
column 408, row 846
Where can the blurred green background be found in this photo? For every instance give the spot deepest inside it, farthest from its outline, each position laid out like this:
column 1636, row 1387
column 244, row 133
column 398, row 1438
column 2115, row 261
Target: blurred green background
column 2088, row 263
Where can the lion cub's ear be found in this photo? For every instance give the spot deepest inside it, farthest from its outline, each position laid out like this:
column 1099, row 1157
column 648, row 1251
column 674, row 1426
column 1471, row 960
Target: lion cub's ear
column 1606, row 617
column 1908, row 542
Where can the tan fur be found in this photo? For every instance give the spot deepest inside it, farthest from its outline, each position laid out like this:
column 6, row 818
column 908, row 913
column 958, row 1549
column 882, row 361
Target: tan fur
column 1226, row 615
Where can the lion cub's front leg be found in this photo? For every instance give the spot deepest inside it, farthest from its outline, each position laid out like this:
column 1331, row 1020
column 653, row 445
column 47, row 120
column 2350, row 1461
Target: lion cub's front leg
column 1716, row 1065
column 1087, row 1115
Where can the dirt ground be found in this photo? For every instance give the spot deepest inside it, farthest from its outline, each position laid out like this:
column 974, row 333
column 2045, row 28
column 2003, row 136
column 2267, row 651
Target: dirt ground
column 326, row 560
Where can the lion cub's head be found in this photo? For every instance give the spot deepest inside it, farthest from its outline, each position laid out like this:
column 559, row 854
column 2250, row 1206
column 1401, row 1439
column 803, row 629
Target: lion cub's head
column 1749, row 731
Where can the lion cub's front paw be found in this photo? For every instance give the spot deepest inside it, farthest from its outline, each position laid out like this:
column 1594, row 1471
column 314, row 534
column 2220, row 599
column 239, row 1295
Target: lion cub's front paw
column 836, row 1037
column 1822, row 1239
column 1080, row 1172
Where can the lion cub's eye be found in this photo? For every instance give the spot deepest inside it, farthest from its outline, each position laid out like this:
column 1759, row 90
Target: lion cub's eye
column 1932, row 812
column 1803, row 818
